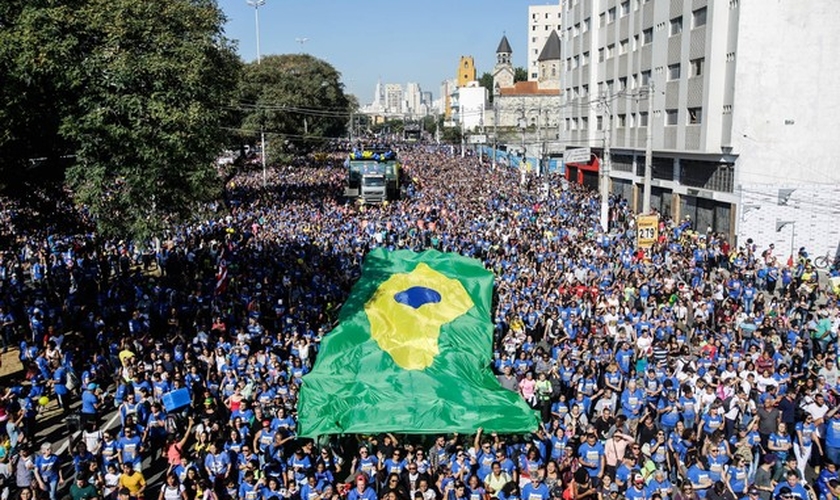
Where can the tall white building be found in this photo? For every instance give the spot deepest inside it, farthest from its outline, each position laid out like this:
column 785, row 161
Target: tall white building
column 413, row 99
column 542, row 21
column 393, row 98
column 744, row 133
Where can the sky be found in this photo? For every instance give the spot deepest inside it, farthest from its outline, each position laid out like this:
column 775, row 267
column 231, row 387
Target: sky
column 398, row 41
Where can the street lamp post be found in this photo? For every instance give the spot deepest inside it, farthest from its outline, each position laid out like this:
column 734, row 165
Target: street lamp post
column 256, row 4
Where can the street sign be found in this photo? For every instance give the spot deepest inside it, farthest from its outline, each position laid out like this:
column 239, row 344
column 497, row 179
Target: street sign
column 577, row 155
column 478, row 139
column 647, row 230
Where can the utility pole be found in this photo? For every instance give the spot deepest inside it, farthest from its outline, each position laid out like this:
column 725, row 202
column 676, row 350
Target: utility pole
column 648, row 153
column 495, row 123
column 604, row 168
column 256, row 4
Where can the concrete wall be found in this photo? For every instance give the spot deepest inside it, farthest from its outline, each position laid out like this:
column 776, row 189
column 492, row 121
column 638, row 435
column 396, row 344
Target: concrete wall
column 786, row 104
column 814, row 209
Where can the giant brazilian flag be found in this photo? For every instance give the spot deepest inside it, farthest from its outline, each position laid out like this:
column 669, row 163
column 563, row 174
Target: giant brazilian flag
column 411, row 354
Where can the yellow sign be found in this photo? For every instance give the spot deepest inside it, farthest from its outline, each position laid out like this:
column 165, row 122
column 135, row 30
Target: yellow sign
column 647, row 230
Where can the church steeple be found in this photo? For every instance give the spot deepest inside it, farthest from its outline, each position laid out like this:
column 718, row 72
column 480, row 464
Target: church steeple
column 503, row 71
column 503, row 52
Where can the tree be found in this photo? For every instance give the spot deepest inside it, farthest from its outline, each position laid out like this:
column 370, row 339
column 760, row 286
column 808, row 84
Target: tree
column 297, row 99
column 486, row 81
column 520, row 75
column 139, row 93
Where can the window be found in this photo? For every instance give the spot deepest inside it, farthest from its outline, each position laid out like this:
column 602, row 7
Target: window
column 602, row 19
column 534, row 28
column 631, row 120
column 643, row 119
column 611, row 15
column 610, row 85
column 622, row 121
column 622, row 83
column 697, row 67
column 695, row 116
column 584, row 123
column 584, row 59
column 546, row 27
column 730, row 56
column 671, row 117
column 632, row 81
column 534, row 76
column 647, row 36
column 634, row 42
column 533, row 39
column 584, row 27
column 584, row 90
column 698, row 18
column 610, row 50
column 623, row 46
column 674, row 72
column 599, row 123
column 644, row 78
column 601, row 52
column 676, row 26
column 575, row 61
column 574, row 123
column 576, row 30
column 625, row 8
column 727, row 109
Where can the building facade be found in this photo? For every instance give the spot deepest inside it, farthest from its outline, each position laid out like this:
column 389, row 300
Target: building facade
column 543, row 20
column 394, row 98
column 737, row 91
column 466, row 71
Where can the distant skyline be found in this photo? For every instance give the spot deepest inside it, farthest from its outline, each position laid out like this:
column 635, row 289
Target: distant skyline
column 396, row 41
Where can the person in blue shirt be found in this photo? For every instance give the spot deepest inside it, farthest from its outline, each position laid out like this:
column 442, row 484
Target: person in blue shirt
column 48, row 471
column 217, row 462
column 632, row 402
column 366, row 464
column 700, row 479
column 591, row 455
column 806, row 437
column 737, row 475
column 248, row 488
column 660, row 484
column 636, row 490
column 59, row 384
column 362, row 491
column 90, row 405
column 688, row 408
column 535, row 490
column 792, row 484
column 395, row 464
column 827, row 474
column 131, row 448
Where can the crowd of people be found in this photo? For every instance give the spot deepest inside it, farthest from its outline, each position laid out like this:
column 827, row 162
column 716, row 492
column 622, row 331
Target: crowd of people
column 693, row 369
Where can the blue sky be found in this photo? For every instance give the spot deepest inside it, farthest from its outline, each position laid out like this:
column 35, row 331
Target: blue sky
column 397, row 40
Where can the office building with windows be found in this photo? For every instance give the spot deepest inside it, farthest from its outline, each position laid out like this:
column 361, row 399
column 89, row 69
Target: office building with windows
column 543, row 20
column 742, row 138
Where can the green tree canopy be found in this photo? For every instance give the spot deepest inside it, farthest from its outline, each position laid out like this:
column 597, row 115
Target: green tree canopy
column 520, row 75
column 297, row 99
column 138, row 92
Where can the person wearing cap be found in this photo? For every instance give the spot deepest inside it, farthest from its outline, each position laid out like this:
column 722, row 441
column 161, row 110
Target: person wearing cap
column 792, row 483
column 636, row 490
column 90, row 405
column 361, row 490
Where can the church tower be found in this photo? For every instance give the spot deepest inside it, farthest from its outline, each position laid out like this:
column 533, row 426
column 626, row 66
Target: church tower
column 503, row 71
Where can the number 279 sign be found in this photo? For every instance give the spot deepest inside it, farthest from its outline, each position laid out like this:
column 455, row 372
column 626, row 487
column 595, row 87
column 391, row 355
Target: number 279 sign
column 647, row 230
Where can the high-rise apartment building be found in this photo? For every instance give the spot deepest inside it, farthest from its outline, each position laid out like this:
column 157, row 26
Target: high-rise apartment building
column 542, row 21
column 742, row 137
column 393, row 98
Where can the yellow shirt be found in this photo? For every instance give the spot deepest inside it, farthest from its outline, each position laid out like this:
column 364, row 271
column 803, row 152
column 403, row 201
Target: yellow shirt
column 133, row 482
